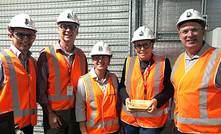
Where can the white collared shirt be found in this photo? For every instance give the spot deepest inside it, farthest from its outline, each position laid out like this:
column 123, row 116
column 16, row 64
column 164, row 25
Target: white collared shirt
column 81, row 96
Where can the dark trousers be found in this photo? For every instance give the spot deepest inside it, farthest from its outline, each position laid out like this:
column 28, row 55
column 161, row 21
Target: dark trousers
column 178, row 132
column 28, row 129
column 129, row 129
column 68, row 121
column 7, row 123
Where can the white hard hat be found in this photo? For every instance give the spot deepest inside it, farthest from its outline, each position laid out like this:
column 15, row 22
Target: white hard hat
column 191, row 14
column 143, row 33
column 101, row 48
column 68, row 16
column 22, row 21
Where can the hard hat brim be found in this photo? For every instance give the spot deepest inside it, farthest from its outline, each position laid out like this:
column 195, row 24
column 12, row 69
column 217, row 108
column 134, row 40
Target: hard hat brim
column 143, row 39
column 101, row 54
column 68, row 22
column 35, row 30
column 201, row 22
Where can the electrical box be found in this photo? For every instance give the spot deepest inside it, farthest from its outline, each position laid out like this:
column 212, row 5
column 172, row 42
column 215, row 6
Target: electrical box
column 213, row 38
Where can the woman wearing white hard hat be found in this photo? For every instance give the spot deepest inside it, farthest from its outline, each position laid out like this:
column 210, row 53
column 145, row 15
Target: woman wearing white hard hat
column 97, row 95
column 145, row 87
column 196, row 77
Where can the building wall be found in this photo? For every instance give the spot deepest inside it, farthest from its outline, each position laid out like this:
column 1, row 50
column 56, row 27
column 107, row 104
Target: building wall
column 213, row 11
column 111, row 21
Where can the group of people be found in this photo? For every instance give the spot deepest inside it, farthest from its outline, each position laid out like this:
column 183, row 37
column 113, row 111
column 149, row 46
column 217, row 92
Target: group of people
column 77, row 101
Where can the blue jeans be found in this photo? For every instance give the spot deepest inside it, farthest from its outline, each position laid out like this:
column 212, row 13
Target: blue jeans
column 129, row 129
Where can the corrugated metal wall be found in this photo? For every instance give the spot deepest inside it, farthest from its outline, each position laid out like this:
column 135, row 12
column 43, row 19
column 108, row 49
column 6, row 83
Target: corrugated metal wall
column 213, row 11
column 100, row 20
column 162, row 16
column 112, row 21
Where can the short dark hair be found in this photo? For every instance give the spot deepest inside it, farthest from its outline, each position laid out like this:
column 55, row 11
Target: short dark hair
column 11, row 29
column 109, row 56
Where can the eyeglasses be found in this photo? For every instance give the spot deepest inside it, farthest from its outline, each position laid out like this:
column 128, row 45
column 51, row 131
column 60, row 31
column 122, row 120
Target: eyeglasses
column 100, row 57
column 192, row 30
column 23, row 35
column 145, row 46
column 65, row 27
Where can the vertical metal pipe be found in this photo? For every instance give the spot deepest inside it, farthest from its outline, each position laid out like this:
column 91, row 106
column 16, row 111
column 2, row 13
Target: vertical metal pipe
column 155, row 16
column 140, row 13
column 130, row 29
column 205, row 4
column 202, row 7
column 132, row 25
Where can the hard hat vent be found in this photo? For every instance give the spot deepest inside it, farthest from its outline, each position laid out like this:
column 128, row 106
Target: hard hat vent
column 141, row 33
column 100, row 48
column 69, row 16
column 189, row 14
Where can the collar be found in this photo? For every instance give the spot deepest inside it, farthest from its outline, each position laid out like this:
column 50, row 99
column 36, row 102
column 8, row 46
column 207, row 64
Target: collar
column 94, row 75
column 58, row 47
column 205, row 47
column 18, row 52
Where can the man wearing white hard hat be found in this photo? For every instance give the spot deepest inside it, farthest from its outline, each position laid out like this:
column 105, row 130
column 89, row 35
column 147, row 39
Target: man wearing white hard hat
column 97, row 94
column 196, row 77
column 18, row 71
column 145, row 87
column 60, row 66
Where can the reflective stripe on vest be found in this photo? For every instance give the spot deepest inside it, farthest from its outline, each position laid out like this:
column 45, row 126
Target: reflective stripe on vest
column 176, row 66
column 92, row 103
column 133, row 79
column 203, row 94
column 24, row 114
column 58, row 96
column 15, row 100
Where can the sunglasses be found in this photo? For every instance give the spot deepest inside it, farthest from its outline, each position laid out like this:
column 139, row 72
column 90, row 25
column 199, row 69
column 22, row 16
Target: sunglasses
column 23, row 35
column 65, row 27
column 145, row 46
column 100, row 57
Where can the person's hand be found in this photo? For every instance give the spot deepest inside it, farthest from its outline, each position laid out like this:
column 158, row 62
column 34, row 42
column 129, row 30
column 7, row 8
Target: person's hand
column 54, row 121
column 83, row 127
column 128, row 102
column 19, row 132
column 152, row 106
column 173, row 127
column 85, row 132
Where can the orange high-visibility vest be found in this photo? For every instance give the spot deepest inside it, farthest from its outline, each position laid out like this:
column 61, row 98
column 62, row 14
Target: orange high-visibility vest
column 197, row 99
column 101, row 109
column 19, row 92
column 59, row 78
column 135, row 89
